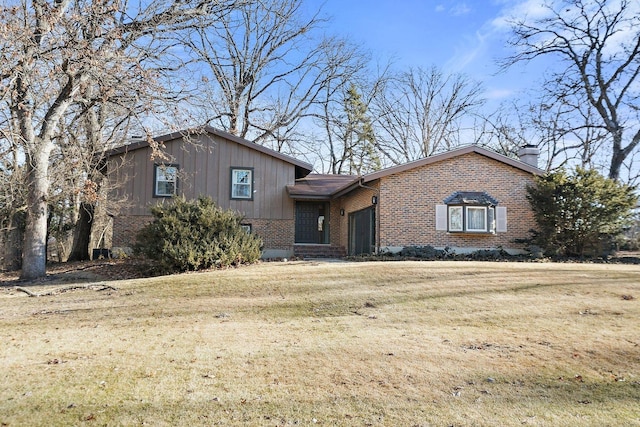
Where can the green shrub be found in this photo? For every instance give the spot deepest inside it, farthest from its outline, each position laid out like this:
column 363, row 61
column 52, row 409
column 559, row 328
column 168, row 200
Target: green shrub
column 194, row 235
column 580, row 214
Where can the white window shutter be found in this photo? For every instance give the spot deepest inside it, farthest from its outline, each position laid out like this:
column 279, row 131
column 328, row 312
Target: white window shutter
column 501, row 219
column 491, row 218
column 441, row 217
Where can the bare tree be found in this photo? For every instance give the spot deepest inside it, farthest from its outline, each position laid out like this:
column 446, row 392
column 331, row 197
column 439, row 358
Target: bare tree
column 348, row 77
column 597, row 45
column 419, row 112
column 266, row 65
column 51, row 52
column 565, row 139
column 12, row 205
column 550, row 126
column 96, row 127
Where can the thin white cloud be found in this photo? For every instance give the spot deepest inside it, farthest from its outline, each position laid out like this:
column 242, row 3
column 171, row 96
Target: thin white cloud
column 522, row 10
column 534, row 10
column 497, row 94
column 490, row 38
column 473, row 49
column 460, row 9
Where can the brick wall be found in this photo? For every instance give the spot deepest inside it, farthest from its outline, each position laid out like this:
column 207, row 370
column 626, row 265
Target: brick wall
column 408, row 199
column 276, row 234
column 356, row 200
column 125, row 228
column 335, row 224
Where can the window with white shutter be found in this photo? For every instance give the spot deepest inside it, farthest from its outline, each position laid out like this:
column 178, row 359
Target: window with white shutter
column 471, row 212
column 441, row 217
column 501, row 219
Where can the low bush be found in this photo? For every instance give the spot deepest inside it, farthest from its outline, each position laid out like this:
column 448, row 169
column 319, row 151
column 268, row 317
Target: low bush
column 429, row 253
column 194, row 235
column 426, row 252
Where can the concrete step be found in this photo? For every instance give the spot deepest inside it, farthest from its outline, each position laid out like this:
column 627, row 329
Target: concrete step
column 319, row 251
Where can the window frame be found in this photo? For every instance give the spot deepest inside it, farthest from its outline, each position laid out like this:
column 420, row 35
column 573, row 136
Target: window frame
column 235, row 169
column 158, row 167
column 468, row 228
column 450, row 210
column 489, row 222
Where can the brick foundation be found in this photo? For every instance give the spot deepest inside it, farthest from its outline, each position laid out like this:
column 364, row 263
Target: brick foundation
column 126, row 227
column 276, row 234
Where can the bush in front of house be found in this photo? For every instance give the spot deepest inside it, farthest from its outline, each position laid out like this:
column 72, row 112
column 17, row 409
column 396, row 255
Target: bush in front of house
column 429, row 253
column 195, row 235
column 422, row 252
column 579, row 215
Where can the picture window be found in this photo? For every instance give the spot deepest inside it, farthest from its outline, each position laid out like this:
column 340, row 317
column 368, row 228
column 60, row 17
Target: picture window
column 468, row 212
column 471, row 219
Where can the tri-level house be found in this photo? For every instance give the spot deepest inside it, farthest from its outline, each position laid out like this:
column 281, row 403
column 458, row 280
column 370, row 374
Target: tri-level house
column 466, row 199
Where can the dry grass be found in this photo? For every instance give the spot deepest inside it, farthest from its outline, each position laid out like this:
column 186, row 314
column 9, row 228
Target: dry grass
column 380, row 344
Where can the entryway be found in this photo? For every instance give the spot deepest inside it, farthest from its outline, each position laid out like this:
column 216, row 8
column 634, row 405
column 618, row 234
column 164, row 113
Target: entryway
column 362, row 231
column 312, row 222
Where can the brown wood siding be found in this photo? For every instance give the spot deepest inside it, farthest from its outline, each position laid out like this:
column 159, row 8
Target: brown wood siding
column 205, row 169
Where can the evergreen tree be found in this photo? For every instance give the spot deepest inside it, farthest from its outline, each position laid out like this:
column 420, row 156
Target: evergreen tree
column 195, row 235
column 359, row 138
column 579, row 214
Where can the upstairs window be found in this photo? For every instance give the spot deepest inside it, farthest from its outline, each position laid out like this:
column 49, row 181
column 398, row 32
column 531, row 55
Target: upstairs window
column 242, row 183
column 471, row 212
column 165, row 180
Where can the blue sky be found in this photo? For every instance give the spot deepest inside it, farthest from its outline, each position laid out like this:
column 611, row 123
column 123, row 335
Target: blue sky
column 457, row 36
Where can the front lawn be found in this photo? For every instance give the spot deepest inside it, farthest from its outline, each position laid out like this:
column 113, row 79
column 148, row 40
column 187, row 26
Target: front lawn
column 314, row 343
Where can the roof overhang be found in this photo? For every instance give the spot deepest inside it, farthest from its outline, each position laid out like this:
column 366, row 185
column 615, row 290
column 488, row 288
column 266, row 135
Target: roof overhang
column 319, row 186
column 470, row 198
column 449, row 155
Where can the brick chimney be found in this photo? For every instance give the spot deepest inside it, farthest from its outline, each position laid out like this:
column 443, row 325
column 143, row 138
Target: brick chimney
column 529, row 154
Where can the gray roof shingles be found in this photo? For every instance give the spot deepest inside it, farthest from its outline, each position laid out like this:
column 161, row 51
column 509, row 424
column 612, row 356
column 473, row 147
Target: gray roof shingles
column 319, row 186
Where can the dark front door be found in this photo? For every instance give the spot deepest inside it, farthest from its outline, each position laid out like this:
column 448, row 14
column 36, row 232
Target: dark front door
column 312, row 222
column 362, row 232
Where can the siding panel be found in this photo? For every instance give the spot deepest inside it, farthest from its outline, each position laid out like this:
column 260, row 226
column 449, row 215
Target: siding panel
column 205, row 170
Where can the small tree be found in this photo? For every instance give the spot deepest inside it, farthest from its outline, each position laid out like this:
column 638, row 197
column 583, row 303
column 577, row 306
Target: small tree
column 193, row 235
column 579, row 214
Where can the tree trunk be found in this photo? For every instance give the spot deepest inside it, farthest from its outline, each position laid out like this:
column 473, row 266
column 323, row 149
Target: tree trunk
column 34, row 254
column 12, row 241
column 618, row 153
column 101, row 220
column 616, row 163
column 82, row 234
